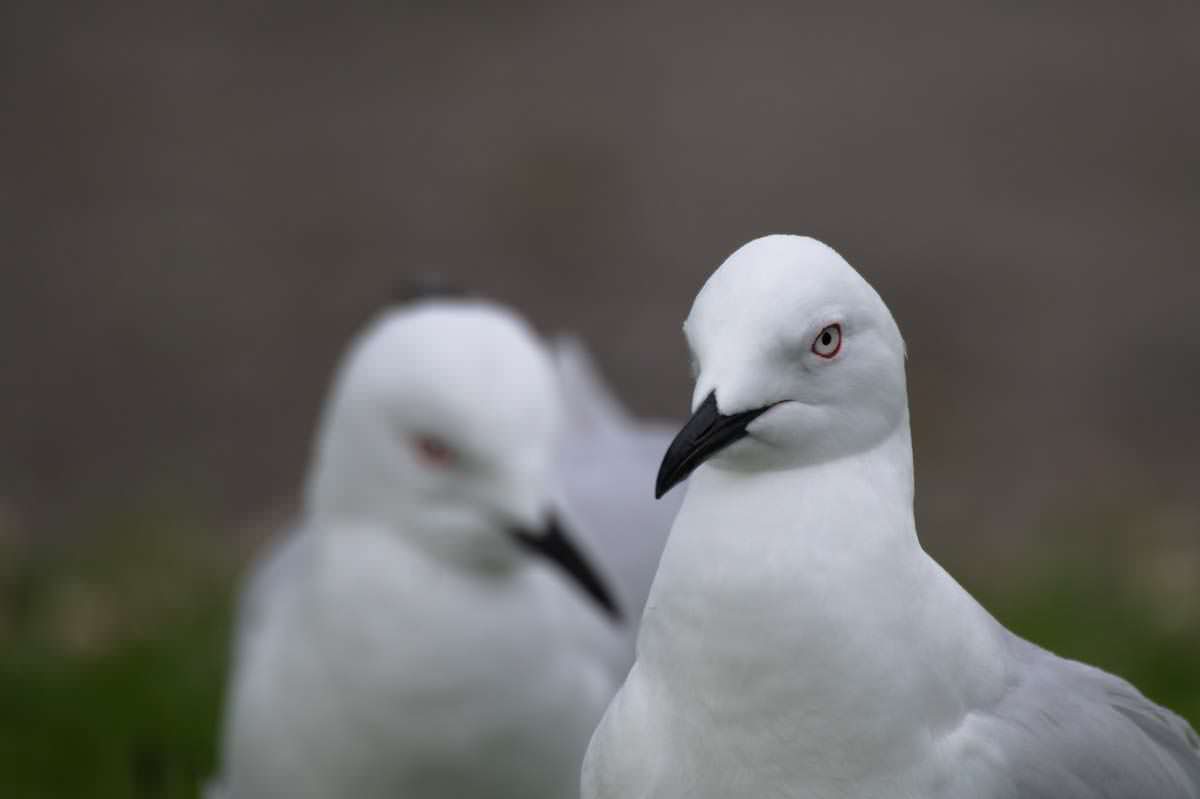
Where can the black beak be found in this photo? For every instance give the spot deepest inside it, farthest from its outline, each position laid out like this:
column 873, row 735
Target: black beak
column 556, row 547
column 705, row 434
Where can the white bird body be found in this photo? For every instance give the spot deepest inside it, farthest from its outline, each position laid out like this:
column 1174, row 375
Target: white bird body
column 399, row 642
column 427, row 682
column 797, row 641
column 910, row 645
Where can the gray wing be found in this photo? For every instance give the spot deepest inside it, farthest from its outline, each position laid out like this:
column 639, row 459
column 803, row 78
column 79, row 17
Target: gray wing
column 608, row 486
column 1070, row 731
column 606, row 473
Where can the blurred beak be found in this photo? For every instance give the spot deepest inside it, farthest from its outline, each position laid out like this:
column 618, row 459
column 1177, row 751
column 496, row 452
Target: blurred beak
column 551, row 544
column 705, row 434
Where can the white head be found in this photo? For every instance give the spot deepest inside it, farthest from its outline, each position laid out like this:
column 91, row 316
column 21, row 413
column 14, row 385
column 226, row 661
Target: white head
column 442, row 423
column 442, row 428
column 797, row 360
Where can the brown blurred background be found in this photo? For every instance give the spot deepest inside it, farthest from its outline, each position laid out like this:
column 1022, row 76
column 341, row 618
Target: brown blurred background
column 200, row 204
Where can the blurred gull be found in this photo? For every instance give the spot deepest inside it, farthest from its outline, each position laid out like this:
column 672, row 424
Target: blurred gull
column 797, row 641
column 606, row 460
column 431, row 629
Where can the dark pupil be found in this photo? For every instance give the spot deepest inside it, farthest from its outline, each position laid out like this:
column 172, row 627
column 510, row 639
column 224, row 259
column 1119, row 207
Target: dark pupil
column 826, row 338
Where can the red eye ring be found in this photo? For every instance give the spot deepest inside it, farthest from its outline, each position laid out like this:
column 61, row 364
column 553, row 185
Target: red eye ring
column 828, row 342
column 433, row 450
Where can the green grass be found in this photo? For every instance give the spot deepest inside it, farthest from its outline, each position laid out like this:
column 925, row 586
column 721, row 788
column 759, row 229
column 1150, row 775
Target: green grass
column 112, row 663
column 112, row 666
column 138, row 721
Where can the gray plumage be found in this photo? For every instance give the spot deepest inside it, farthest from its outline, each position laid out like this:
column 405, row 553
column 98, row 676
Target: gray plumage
column 1071, row 731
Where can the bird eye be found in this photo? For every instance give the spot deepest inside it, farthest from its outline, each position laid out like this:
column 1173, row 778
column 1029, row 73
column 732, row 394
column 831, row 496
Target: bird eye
column 433, row 450
column 828, row 342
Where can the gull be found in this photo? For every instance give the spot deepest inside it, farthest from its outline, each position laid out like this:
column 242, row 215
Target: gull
column 432, row 627
column 797, row 641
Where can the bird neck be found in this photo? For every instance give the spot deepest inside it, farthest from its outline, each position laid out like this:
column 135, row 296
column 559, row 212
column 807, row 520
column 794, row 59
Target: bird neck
column 799, row 605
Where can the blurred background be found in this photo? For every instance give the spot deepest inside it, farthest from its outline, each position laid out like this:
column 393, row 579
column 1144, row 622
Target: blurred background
column 199, row 205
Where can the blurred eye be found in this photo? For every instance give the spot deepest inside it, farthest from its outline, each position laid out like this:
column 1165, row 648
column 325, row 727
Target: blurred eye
column 433, row 450
column 828, row 341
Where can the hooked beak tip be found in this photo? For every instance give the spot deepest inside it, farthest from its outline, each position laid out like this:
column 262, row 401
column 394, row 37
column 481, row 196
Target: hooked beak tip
column 662, row 484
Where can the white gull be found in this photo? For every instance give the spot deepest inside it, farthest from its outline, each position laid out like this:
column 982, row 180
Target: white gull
column 431, row 628
column 798, row 641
